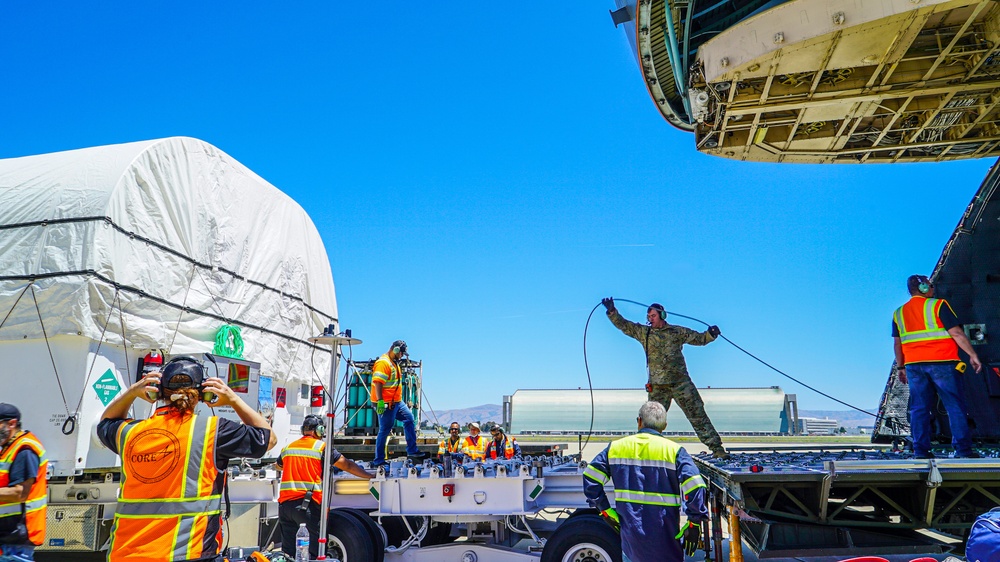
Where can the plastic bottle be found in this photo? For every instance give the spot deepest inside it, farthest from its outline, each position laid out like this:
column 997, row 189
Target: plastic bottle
column 302, row 544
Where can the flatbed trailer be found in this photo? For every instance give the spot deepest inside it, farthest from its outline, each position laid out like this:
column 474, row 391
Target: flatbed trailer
column 806, row 501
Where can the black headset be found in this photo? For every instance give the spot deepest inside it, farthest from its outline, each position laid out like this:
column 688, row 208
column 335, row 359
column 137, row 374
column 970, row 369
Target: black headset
column 314, row 423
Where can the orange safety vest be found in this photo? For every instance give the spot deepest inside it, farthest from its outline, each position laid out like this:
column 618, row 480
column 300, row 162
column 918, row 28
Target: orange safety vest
column 388, row 373
column 446, row 446
column 302, row 469
column 34, row 506
column 921, row 332
column 475, row 450
column 170, row 503
column 508, row 448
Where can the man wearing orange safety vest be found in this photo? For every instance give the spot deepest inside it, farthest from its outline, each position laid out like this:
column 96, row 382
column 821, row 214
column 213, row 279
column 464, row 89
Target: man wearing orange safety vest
column 452, row 445
column 301, row 466
column 501, row 446
column 23, row 492
column 926, row 338
column 174, row 464
column 387, row 396
column 474, row 445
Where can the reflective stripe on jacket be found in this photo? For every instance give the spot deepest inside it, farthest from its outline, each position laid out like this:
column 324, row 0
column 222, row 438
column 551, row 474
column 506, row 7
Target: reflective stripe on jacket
column 510, row 449
column 387, row 372
column 446, row 446
column 923, row 336
column 476, row 450
column 170, row 504
column 302, row 469
column 37, row 501
column 652, row 478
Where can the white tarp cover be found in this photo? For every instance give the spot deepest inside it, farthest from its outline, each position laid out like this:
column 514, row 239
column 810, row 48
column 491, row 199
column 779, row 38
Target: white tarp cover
column 170, row 222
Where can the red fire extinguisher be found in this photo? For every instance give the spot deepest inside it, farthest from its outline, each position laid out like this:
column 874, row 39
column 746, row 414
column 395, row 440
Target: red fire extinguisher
column 318, row 397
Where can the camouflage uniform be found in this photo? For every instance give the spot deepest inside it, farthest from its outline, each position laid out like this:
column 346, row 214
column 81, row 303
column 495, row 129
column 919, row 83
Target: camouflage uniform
column 668, row 374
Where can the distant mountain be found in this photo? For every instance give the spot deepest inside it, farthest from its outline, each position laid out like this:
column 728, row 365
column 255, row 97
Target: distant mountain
column 481, row 414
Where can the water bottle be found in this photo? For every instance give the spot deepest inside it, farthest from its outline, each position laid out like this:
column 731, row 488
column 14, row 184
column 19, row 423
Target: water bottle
column 302, row 544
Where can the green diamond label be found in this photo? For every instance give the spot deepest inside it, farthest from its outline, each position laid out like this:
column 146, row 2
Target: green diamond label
column 107, row 387
column 374, row 492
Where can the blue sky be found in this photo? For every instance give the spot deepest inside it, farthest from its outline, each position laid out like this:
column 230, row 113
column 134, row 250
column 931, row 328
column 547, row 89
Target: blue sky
column 483, row 175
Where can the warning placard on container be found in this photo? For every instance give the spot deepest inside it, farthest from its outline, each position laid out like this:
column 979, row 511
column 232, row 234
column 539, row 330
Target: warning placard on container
column 107, row 387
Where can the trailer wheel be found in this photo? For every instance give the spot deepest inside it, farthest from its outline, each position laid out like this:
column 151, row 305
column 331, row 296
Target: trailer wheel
column 583, row 538
column 347, row 539
column 375, row 533
column 583, row 511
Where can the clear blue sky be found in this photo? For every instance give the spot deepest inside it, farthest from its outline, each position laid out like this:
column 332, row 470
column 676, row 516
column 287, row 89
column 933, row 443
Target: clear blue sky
column 483, row 174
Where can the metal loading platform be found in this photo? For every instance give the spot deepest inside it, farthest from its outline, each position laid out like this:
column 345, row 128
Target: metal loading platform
column 800, row 501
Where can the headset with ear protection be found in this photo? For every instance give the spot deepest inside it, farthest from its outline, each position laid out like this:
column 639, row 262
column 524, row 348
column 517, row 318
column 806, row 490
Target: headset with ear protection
column 924, row 286
column 314, row 423
column 659, row 308
column 399, row 347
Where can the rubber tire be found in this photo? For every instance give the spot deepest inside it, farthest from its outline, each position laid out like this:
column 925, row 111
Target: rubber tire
column 352, row 534
column 583, row 511
column 585, row 528
column 374, row 531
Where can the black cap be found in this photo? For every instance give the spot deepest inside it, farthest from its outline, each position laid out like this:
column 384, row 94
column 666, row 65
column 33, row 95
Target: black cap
column 311, row 422
column 182, row 372
column 9, row 412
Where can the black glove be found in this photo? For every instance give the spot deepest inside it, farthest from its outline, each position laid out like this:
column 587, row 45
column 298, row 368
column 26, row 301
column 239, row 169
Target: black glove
column 690, row 536
column 609, row 303
column 714, row 331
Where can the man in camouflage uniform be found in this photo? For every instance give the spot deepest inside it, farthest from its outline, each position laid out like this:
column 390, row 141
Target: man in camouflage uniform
column 668, row 374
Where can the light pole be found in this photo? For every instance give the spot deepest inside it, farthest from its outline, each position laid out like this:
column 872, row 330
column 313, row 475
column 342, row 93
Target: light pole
column 334, row 341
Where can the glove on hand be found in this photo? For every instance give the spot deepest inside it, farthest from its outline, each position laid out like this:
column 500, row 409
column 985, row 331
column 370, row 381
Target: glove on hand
column 714, row 330
column 690, row 537
column 611, row 516
column 380, row 407
column 609, row 303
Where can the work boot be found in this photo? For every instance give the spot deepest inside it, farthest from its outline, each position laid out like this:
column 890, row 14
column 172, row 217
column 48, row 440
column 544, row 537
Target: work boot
column 969, row 455
column 419, row 457
column 721, row 454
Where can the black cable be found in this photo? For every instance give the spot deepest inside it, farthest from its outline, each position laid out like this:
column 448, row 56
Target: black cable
column 765, row 363
column 590, row 385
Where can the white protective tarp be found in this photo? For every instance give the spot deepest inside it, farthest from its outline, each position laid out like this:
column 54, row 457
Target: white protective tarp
column 191, row 237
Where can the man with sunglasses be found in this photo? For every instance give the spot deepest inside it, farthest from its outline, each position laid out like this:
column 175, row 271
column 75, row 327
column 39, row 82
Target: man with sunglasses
column 501, row 447
column 387, row 397
column 451, row 445
column 668, row 374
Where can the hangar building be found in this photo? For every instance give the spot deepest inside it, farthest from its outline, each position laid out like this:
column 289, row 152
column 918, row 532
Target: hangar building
column 734, row 411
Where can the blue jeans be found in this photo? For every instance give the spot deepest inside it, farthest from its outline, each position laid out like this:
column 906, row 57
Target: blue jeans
column 926, row 379
column 17, row 553
column 397, row 411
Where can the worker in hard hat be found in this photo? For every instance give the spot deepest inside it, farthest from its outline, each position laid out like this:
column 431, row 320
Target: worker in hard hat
column 301, row 492
column 501, row 446
column 173, row 463
column 387, row 399
column 474, row 444
column 23, row 488
column 926, row 338
column 667, row 371
column 652, row 478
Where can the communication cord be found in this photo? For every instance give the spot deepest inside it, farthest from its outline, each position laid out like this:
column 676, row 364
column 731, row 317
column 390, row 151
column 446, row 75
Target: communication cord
column 731, row 342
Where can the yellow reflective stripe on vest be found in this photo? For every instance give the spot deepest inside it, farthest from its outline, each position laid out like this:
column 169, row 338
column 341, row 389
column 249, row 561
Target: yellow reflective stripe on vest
column 7, row 510
column 692, row 484
column 306, row 453
column 644, row 449
column 162, row 509
column 596, row 475
column 933, row 329
column 648, row 498
column 293, row 486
